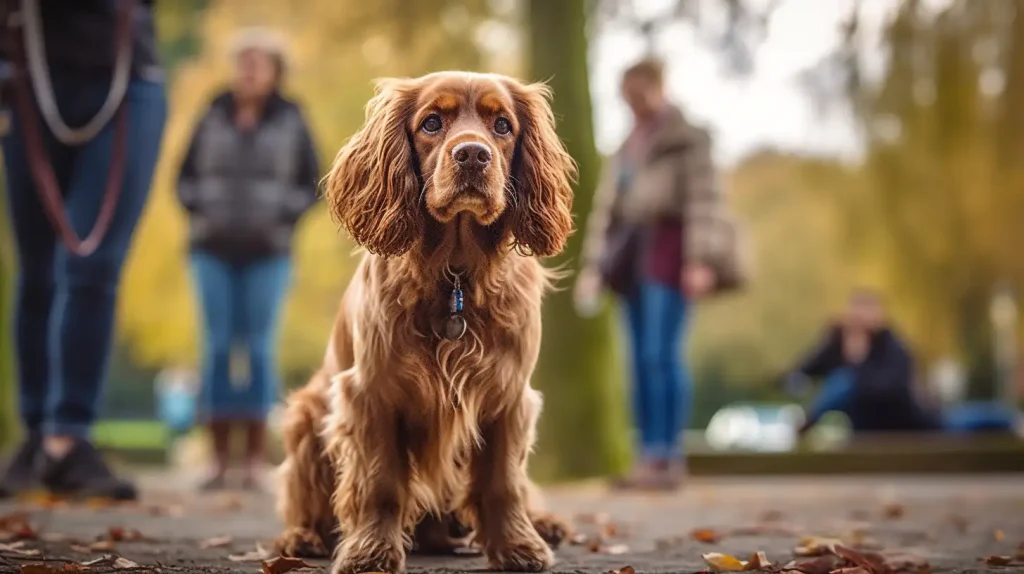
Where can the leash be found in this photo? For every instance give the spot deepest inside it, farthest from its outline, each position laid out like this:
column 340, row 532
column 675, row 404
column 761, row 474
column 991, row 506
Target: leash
column 28, row 59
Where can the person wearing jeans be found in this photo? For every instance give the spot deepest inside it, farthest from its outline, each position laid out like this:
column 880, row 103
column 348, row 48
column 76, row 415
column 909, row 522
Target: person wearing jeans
column 250, row 173
column 660, row 187
column 65, row 303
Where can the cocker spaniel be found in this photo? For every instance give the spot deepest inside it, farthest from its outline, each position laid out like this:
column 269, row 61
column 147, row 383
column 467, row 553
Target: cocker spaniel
column 422, row 417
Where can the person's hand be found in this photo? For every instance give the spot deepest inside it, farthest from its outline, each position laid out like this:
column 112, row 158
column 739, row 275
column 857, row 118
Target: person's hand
column 698, row 279
column 587, row 292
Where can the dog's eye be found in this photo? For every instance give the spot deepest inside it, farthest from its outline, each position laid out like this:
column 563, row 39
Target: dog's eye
column 502, row 126
column 432, row 124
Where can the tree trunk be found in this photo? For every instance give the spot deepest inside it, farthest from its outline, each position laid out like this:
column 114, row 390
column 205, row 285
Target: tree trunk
column 583, row 431
column 8, row 414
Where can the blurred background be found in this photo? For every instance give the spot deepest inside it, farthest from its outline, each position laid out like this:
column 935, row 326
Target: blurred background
column 863, row 143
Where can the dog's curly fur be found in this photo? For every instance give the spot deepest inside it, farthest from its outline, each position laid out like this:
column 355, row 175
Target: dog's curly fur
column 404, row 436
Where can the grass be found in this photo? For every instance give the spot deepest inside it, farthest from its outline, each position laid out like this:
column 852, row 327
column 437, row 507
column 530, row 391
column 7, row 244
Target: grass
column 131, row 435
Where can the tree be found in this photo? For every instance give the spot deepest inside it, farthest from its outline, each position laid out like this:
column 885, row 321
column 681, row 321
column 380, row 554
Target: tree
column 583, row 432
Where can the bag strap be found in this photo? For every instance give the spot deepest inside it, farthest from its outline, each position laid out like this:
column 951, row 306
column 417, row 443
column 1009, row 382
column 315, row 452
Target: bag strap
column 24, row 40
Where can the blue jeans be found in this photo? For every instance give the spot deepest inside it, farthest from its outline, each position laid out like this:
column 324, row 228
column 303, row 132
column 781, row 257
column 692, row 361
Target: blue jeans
column 240, row 303
column 64, row 304
column 963, row 418
column 662, row 392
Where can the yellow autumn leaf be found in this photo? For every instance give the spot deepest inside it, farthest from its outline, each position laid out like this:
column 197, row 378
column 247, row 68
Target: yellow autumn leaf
column 723, row 562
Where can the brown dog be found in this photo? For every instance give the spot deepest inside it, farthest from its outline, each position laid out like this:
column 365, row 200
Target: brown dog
column 455, row 185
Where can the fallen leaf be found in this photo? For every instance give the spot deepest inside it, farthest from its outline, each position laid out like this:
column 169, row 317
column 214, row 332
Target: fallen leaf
column 19, row 549
column 820, row 565
column 616, row 549
column 902, row 561
column 851, row 570
column 723, row 562
column 256, row 555
column 624, row 570
column 998, row 535
column 998, row 560
column 815, row 546
column 610, row 530
column 893, row 510
column 770, row 516
column 102, row 546
column 706, row 535
column 216, row 542
column 282, row 564
column 80, row 549
column 866, row 561
column 37, row 569
column 758, row 560
column 111, row 560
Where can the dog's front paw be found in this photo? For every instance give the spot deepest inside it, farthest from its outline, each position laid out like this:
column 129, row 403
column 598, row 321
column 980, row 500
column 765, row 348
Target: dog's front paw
column 528, row 554
column 359, row 554
column 301, row 543
column 551, row 528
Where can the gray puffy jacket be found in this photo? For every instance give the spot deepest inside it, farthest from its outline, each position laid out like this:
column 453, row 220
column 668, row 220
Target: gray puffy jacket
column 245, row 191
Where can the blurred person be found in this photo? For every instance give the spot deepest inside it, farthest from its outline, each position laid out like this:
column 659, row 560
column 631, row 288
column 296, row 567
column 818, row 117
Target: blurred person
column 868, row 375
column 249, row 175
column 658, row 237
column 91, row 65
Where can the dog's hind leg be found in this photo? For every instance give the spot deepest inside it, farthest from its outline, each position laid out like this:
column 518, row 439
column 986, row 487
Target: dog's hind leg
column 306, row 478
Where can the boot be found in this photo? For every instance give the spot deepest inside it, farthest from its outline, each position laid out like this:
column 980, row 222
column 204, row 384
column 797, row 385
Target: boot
column 220, row 436
column 255, row 452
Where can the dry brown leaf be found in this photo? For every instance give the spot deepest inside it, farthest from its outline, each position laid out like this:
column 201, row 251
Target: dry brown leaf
column 624, row 570
column 615, row 549
column 998, row 535
column 102, row 546
column 902, row 560
column 166, row 510
column 611, row 530
column 893, row 511
column 723, row 562
column 216, row 542
column 758, row 560
column 120, row 534
column 706, row 535
column 851, row 570
column 80, row 549
column 998, row 560
column 282, row 564
column 260, row 553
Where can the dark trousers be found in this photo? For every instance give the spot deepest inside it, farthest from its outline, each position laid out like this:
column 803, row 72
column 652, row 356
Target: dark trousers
column 64, row 305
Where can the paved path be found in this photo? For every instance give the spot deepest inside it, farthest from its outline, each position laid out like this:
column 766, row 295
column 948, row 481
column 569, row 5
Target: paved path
column 951, row 522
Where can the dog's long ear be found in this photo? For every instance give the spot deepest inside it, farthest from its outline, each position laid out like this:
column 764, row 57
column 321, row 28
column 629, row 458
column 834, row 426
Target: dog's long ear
column 543, row 173
column 372, row 187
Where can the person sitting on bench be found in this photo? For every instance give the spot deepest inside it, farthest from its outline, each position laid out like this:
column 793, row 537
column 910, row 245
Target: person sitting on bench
column 868, row 376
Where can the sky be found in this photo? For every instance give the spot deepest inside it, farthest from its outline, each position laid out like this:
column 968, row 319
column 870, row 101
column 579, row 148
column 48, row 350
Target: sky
column 768, row 108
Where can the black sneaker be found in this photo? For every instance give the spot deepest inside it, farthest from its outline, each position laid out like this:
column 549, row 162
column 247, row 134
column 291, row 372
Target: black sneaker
column 22, row 473
column 83, row 473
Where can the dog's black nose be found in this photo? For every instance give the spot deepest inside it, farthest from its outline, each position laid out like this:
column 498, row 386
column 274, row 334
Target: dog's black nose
column 471, row 155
